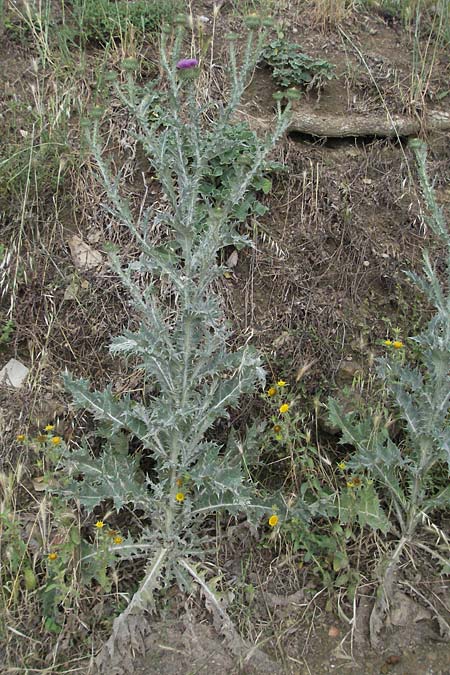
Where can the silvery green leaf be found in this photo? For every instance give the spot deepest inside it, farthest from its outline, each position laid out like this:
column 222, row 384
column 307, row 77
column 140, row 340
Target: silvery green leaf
column 110, row 476
column 369, row 511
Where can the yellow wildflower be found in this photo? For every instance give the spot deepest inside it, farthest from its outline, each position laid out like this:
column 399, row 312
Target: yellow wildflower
column 398, row 344
column 284, row 408
column 281, row 383
column 118, row 539
column 20, row 437
column 49, row 427
column 342, row 465
column 271, row 392
column 52, row 556
column 276, row 428
column 273, row 520
column 56, row 440
column 388, row 343
column 179, row 497
column 99, row 524
column 350, row 484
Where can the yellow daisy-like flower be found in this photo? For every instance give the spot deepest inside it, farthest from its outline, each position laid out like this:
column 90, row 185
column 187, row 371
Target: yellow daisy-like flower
column 398, row 344
column 179, row 497
column 284, row 408
column 20, row 437
column 56, row 440
column 273, row 520
column 281, row 383
column 276, row 428
column 271, row 392
column 388, row 343
column 350, row 484
column 52, row 556
column 342, row 465
column 49, row 427
column 99, row 524
column 118, row 540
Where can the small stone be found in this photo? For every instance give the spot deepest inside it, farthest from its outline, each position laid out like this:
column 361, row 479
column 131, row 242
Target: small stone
column 334, row 632
column 13, row 374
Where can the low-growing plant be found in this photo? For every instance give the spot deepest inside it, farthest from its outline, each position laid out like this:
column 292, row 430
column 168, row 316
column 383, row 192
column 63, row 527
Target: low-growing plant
column 292, row 68
column 192, row 377
column 340, row 502
column 103, row 20
column 403, row 470
column 6, row 331
column 46, row 557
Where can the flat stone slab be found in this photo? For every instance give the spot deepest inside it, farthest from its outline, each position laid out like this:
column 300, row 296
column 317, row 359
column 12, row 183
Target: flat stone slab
column 13, row 374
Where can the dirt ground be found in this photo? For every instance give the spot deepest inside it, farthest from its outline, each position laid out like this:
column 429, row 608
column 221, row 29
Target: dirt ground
column 323, row 286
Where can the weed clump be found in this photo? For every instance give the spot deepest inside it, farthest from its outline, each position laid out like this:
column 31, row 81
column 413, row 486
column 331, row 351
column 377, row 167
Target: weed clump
column 291, row 67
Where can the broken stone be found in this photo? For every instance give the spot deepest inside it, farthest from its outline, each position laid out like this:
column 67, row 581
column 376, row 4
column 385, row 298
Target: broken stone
column 84, row 256
column 13, row 374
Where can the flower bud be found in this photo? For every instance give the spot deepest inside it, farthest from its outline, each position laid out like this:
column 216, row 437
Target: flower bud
column 292, row 94
column 130, row 65
column 252, row 21
column 180, row 20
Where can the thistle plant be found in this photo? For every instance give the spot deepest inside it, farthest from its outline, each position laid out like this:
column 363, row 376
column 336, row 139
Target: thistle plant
column 411, row 476
column 192, row 376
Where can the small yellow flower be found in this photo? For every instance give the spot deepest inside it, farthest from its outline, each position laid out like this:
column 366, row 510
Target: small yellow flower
column 276, row 428
column 52, row 556
column 273, row 520
column 56, row 440
column 118, row 539
column 179, row 497
column 20, row 437
column 398, row 344
column 284, row 408
column 281, row 383
column 49, row 427
column 388, row 343
column 99, row 524
column 350, row 484
column 342, row 466
column 179, row 482
column 271, row 392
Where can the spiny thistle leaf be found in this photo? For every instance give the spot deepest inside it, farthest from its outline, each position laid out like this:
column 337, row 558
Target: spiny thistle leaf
column 109, row 476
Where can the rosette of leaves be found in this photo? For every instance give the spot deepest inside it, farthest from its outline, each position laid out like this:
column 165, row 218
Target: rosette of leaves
column 292, row 68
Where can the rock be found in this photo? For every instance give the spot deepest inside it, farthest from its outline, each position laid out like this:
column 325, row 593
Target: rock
column 13, row 374
column 347, row 371
column 84, row 257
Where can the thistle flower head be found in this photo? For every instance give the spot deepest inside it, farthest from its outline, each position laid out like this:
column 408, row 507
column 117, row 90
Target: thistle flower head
column 185, row 64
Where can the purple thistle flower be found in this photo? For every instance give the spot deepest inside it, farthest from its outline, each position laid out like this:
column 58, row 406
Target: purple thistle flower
column 184, row 64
